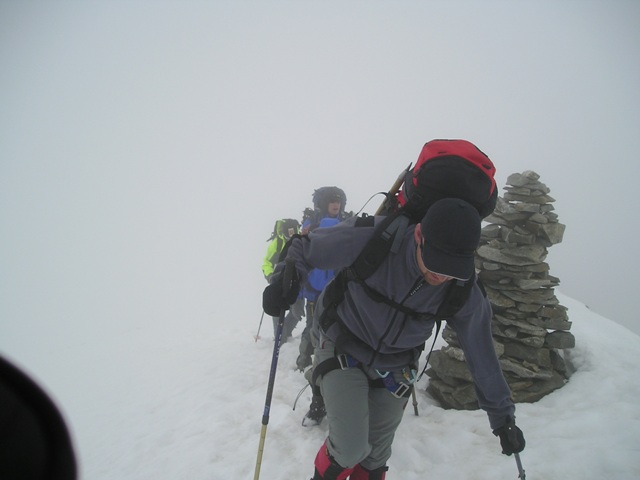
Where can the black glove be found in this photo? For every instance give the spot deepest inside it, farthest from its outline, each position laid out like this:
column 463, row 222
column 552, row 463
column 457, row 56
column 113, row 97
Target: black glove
column 278, row 297
column 511, row 437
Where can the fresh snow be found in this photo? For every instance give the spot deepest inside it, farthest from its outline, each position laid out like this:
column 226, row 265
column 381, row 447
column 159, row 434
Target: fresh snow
column 170, row 403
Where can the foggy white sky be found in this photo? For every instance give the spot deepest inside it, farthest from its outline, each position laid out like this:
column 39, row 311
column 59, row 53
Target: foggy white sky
column 146, row 147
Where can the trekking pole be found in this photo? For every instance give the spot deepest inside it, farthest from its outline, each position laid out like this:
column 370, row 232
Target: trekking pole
column 288, row 276
column 520, row 469
column 415, row 401
column 257, row 337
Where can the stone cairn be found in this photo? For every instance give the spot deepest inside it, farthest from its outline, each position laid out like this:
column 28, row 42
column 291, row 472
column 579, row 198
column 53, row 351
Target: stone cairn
column 530, row 327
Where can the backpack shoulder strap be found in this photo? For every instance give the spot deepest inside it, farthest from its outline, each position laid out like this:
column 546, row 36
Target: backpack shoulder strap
column 456, row 296
column 387, row 238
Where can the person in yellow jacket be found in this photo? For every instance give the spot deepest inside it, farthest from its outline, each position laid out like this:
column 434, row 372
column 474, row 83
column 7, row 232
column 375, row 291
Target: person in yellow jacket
column 283, row 230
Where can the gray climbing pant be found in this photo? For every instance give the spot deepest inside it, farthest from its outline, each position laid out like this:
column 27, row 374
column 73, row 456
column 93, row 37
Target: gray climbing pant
column 362, row 418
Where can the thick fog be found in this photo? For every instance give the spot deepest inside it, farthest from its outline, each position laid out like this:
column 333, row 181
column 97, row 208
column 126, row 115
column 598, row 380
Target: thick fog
column 146, row 148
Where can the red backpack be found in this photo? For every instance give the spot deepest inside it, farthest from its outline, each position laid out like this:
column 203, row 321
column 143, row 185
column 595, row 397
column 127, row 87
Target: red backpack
column 447, row 168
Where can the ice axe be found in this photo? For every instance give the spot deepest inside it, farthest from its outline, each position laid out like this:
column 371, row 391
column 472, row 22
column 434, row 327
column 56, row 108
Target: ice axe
column 390, row 195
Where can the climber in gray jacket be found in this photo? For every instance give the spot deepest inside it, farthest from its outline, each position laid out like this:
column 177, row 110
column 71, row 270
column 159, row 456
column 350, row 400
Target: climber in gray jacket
column 370, row 334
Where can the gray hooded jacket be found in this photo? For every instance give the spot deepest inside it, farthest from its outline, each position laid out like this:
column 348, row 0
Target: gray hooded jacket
column 383, row 337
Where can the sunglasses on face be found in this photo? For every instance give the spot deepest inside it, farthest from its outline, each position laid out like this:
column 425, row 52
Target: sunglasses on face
column 440, row 275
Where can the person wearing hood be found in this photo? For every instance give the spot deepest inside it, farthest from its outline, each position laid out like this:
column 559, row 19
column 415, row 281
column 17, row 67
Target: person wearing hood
column 329, row 210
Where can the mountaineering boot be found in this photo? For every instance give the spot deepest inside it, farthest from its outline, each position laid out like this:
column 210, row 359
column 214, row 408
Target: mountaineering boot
column 361, row 473
column 316, row 412
column 327, row 468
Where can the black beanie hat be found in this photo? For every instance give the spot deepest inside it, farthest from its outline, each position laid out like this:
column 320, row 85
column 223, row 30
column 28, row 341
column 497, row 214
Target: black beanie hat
column 451, row 231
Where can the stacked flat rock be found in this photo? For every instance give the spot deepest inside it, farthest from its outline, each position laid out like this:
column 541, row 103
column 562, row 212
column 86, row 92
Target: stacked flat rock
column 530, row 327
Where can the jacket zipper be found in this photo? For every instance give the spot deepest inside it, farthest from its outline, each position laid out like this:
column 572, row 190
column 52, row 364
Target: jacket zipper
column 414, row 289
column 416, row 286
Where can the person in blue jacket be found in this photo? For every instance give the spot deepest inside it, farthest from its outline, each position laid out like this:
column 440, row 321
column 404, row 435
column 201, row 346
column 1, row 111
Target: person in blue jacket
column 371, row 332
column 329, row 210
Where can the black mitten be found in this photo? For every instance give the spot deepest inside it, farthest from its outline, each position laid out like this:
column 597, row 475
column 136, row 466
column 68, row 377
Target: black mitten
column 511, row 437
column 278, row 296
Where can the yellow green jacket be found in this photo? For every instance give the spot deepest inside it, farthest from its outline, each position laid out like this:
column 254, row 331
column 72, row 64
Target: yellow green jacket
column 273, row 253
column 282, row 231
